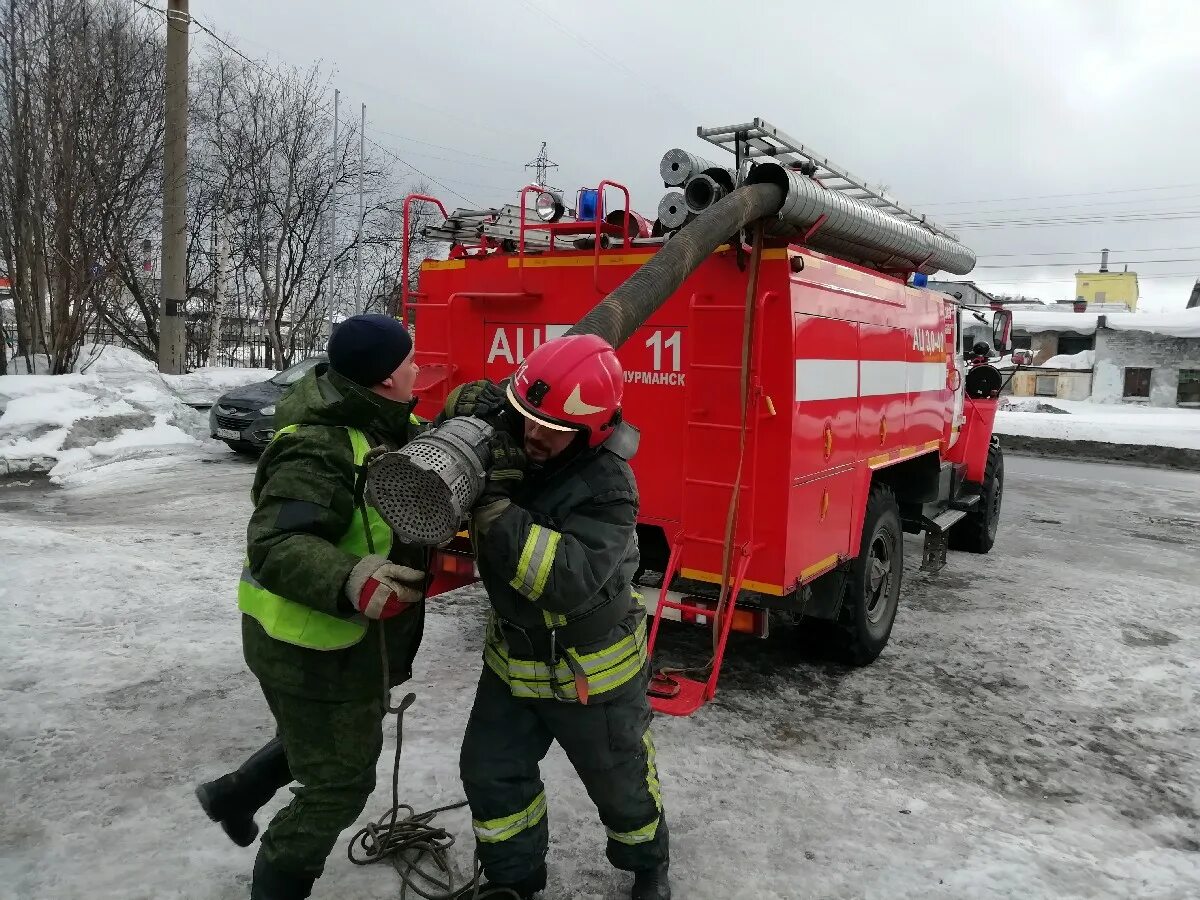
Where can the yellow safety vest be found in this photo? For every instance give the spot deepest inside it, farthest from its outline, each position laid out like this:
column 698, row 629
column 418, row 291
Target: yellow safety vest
column 295, row 623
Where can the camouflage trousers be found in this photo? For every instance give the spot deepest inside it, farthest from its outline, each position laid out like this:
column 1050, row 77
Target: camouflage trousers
column 332, row 748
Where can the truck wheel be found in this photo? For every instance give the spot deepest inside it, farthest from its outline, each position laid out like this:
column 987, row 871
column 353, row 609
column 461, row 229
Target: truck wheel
column 977, row 531
column 873, row 581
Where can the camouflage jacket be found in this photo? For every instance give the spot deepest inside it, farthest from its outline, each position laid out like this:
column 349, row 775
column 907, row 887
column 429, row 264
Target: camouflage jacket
column 304, row 498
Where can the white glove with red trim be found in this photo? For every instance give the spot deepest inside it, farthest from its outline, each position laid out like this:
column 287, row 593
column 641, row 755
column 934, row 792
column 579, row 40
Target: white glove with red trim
column 380, row 589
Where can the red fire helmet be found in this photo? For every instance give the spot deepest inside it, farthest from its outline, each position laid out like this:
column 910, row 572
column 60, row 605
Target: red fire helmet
column 571, row 383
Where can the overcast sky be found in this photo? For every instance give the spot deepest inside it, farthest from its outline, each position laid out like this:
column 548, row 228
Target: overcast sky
column 974, row 112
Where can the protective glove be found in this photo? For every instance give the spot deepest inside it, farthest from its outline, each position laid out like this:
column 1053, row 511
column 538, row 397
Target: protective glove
column 483, row 399
column 505, row 475
column 507, row 469
column 380, row 589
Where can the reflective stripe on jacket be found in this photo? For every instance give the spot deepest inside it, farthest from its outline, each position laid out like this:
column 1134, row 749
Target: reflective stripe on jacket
column 295, row 623
column 605, row 670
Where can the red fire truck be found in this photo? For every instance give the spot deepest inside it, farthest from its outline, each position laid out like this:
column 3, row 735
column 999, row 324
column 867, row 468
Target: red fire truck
column 868, row 413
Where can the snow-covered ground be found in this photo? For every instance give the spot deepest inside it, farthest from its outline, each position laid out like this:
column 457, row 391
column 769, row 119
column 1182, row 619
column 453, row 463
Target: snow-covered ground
column 115, row 407
column 119, row 408
column 1082, row 420
column 1031, row 732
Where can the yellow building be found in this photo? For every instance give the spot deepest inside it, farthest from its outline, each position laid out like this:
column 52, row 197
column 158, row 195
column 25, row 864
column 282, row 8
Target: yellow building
column 1107, row 287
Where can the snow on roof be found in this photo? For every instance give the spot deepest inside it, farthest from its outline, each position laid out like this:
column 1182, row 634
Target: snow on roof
column 1182, row 323
column 1041, row 320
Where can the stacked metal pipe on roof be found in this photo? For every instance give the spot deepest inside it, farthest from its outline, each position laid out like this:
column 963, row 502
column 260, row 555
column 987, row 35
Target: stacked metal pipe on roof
column 707, row 188
column 678, row 167
column 672, row 210
column 680, row 170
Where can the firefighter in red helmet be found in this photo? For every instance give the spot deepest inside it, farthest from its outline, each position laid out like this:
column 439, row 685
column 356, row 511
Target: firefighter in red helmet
column 565, row 649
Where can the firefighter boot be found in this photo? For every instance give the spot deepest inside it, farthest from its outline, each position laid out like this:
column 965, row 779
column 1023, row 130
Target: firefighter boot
column 273, row 883
column 651, row 884
column 233, row 799
column 525, row 889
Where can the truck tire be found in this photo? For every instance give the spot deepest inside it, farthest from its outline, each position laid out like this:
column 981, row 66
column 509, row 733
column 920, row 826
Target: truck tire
column 872, row 594
column 976, row 533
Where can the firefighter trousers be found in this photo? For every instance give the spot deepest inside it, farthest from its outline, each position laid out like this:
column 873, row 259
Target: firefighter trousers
column 608, row 743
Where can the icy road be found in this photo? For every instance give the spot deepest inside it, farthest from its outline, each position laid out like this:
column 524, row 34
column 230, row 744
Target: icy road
column 1032, row 730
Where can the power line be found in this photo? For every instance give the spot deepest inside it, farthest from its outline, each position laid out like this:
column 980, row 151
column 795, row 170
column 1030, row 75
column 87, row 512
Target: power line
column 1067, row 280
column 1068, row 209
column 262, row 68
column 1075, row 265
column 1105, row 193
column 1089, row 252
column 1051, row 222
column 638, row 78
column 402, row 137
column 453, row 162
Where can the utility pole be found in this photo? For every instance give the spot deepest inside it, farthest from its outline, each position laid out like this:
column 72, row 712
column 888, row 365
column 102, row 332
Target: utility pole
column 358, row 288
column 337, row 168
column 542, row 164
column 171, row 333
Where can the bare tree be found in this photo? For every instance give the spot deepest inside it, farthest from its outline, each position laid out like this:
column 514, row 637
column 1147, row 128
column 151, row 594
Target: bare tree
column 81, row 86
column 82, row 82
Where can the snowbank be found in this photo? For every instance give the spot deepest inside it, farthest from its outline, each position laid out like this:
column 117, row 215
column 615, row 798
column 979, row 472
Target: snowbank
column 1084, row 359
column 1080, row 420
column 119, row 409
column 202, row 387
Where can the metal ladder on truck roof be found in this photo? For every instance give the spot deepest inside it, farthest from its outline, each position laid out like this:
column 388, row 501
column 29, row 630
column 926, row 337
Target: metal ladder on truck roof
column 760, row 139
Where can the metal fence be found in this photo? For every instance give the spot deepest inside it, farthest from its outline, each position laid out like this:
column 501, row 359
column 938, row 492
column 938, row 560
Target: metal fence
column 241, row 344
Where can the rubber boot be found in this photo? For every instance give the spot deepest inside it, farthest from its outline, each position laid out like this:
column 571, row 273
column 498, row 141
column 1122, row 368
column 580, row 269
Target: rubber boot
column 651, row 884
column 524, row 889
column 273, row 883
column 233, row 799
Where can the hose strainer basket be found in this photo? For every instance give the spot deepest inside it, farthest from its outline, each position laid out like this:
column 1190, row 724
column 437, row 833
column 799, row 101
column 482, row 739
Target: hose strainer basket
column 425, row 489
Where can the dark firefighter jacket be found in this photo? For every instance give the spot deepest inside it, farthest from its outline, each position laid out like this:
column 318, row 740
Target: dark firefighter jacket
column 558, row 566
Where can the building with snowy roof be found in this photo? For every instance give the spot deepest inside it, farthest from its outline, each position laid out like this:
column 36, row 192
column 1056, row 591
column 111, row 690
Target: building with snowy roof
column 1151, row 358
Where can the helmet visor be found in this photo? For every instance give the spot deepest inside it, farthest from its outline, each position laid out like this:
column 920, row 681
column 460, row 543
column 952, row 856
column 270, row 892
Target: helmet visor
column 552, row 424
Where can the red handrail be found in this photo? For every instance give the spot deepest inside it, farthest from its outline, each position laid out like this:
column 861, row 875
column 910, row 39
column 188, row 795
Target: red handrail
column 600, row 207
column 404, row 291
column 553, row 228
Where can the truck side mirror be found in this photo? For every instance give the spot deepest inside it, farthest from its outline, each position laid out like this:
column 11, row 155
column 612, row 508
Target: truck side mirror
column 1002, row 321
column 1023, row 357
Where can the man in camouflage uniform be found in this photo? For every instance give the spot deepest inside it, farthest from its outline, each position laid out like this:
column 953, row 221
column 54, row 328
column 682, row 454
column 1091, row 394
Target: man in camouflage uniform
column 565, row 650
column 328, row 601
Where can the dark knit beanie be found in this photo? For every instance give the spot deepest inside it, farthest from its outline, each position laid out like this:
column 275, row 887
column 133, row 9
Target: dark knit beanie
column 367, row 349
